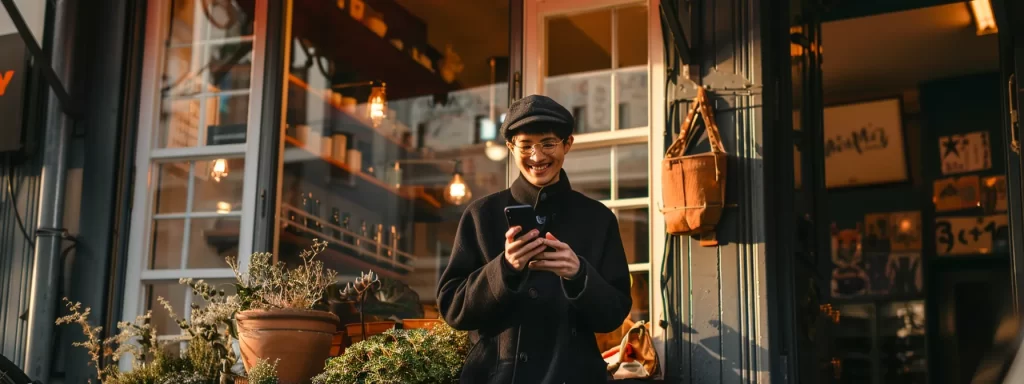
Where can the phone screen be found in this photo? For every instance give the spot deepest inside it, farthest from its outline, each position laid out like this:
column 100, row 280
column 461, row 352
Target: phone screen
column 523, row 216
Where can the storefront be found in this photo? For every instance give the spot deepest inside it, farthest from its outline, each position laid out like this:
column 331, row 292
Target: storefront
column 371, row 125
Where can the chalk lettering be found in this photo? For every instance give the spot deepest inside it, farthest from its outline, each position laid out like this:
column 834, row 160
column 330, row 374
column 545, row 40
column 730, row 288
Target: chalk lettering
column 5, row 78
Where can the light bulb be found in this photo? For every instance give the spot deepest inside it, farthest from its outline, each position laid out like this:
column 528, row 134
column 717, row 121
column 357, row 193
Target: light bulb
column 219, row 169
column 457, row 192
column 495, row 151
column 905, row 225
column 377, row 104
column 223, row 207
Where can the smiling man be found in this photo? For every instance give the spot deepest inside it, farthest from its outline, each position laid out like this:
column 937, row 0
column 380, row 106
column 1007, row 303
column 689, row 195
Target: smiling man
column 532, row 303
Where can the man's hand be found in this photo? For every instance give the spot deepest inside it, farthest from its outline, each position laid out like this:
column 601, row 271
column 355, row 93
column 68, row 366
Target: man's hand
column 519, row 251
column 562, row 261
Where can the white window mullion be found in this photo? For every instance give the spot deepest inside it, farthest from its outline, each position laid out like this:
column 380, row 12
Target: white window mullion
column 200, row 153
column 631, row 203
column 252, row 142
column 641, row 267
column 197, row 215
column 187, row 228
column 614, row 99
column 159, row 275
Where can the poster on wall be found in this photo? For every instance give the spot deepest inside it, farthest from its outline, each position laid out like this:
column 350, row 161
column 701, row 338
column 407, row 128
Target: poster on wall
column 892, row 231
column 864, row 144
column 956, row 193
column 993, row 194
column 875, row 265
column 849, row 279
column 965, row 153
column 904, row 274
column 971, row 235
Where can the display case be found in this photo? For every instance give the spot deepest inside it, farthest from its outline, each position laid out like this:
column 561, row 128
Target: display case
column 882, row 342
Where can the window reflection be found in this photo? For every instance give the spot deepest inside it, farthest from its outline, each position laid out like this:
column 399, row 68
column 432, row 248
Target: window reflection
column 375, row 190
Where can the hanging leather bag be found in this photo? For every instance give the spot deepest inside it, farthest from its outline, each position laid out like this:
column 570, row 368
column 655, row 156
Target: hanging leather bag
column 693, row 186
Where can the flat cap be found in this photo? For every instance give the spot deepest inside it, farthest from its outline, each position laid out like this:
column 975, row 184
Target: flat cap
column 537, row 109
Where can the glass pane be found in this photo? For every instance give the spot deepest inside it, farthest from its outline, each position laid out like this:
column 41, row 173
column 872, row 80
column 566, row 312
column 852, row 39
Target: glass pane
column 349, row 175
column 631, row 41
column 211, row 241
column 168, row 237
column 174, row 293
column 902, row 332
column 632, row 97
column 631, row 161
column 640, row 291
column 590, row 172
column 228, row 66
column 634, row 228
column 587, row 96
column 194, row 20
column 171, row 187
column 218, row 185
column 210, row 53
column 579, row 43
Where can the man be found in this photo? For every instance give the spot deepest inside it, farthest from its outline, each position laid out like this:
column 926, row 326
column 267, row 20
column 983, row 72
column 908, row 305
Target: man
column 533, row 303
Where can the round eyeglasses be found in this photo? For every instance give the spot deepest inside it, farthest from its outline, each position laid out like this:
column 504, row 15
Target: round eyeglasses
column 546, row 147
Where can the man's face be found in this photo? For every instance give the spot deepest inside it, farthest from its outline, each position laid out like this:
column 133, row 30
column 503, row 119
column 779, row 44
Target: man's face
column 540, row 156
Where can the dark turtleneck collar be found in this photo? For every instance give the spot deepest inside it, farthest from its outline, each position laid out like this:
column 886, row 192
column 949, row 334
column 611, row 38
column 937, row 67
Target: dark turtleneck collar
column 538, row 197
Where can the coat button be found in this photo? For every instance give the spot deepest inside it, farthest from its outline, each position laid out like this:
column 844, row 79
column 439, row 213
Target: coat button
column 543, row 196
column 533, row 293
column 523, row 357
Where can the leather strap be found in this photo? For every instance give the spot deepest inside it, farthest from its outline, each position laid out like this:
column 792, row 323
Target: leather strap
column 682, row 143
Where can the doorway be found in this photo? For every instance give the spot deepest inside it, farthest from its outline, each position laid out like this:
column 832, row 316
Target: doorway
column 904, row 167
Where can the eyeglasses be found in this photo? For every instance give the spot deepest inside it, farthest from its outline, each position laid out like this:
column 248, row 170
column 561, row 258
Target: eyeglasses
column 547, row 148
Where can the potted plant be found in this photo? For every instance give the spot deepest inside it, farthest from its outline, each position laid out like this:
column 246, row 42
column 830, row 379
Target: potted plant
column 279, row 319
column 359, row 291
column 408, row 356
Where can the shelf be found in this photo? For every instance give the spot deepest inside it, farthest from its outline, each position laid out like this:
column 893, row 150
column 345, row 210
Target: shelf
column 373, row 57
column 351, row 121
column 297, row 152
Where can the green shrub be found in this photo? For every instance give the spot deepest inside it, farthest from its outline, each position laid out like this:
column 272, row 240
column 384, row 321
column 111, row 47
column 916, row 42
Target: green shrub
column 398, row 356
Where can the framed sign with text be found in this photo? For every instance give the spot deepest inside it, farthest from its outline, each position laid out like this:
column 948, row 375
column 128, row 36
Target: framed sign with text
column 965, row 153
column 971, row 235
column 954, row 194
column 13, row 72
column 864, row 144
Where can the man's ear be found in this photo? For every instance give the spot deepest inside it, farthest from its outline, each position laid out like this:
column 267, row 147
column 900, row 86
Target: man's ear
column 568, row 143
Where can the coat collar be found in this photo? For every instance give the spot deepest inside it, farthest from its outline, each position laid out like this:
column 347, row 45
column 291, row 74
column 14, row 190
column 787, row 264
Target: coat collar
column 525, row 193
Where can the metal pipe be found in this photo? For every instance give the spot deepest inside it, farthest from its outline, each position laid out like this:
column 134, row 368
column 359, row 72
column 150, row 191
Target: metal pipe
column 46, row 264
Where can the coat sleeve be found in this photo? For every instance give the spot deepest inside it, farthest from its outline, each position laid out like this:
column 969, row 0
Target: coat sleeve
column 601, row 292
column 474, row 292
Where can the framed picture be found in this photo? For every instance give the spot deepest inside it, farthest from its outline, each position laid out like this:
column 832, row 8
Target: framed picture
column 971, row 235
column 968, row 152
column 956, row 193
column 864, row 144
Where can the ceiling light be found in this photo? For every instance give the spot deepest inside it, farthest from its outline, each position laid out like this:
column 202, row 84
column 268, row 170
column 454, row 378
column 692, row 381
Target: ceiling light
column 984, row 20
column 378, row 104
column 457, row 192
column 495, row 151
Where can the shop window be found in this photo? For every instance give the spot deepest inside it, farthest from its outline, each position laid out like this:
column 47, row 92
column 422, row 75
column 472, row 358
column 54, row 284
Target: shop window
column 375, row 180
column 194, row 124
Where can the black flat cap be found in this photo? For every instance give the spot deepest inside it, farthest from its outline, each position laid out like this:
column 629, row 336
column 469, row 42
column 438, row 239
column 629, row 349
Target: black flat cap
column 537, row 110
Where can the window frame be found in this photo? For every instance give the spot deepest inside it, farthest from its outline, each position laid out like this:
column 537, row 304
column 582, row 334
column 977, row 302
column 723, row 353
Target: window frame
column 137, row 274
column 534, row 58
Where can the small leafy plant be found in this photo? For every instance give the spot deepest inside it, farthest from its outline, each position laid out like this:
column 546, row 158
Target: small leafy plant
column 401, row 356
column 269, row 285
column 358, row 291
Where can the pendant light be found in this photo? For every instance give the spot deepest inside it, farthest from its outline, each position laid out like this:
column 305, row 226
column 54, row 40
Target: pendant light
column 457, row 192
column 377, row 105
column 219, row 169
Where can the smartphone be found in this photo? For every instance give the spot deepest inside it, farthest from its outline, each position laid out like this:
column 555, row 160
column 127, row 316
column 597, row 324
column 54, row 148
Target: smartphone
column 523, row 216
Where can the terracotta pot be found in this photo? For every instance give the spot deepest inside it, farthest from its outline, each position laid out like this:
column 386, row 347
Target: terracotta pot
column 338, row 343
column 420, row 323
column 355, row 331
column 300, row 340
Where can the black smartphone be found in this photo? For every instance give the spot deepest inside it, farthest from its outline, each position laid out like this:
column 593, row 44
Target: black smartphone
column 523, row 216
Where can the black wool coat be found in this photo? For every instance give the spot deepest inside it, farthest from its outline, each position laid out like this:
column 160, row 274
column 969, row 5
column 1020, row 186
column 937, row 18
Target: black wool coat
column 534, row 327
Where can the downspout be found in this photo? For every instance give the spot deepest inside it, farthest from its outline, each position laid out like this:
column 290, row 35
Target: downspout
column 46, row 264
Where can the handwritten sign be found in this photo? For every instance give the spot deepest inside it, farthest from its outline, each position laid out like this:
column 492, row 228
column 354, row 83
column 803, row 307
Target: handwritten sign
column 864, row 144
column 954, row 194
column 965, row 153
column 969, row 235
